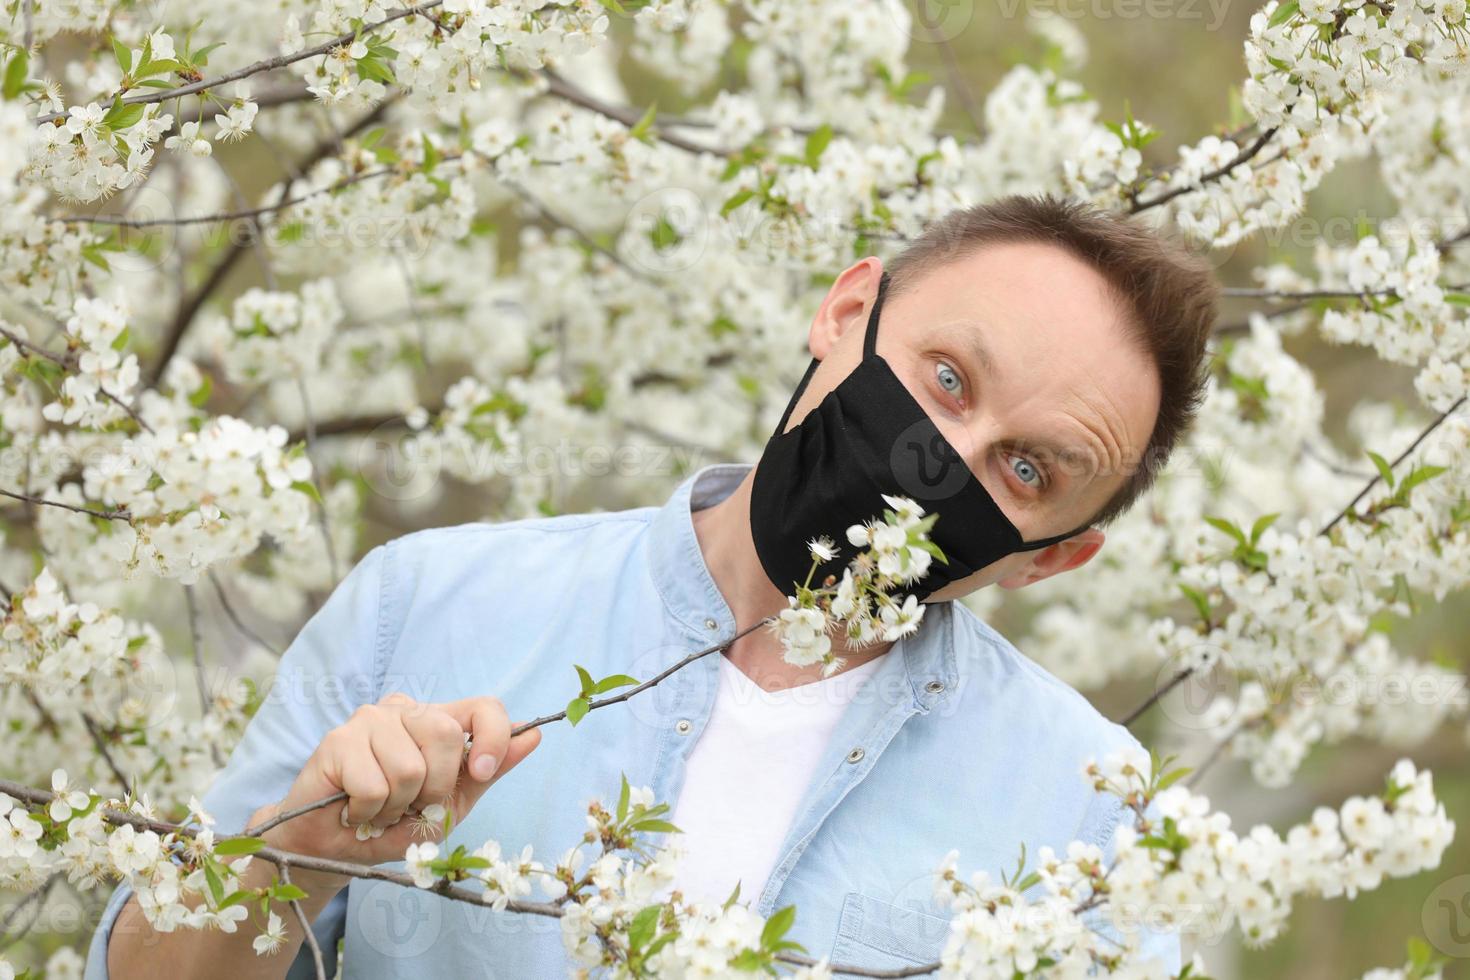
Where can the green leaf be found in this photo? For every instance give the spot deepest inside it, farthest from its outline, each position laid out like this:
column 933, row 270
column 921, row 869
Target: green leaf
column 615, row 680
column 308, row 488
column 232, row 846
column 374, row 69
column 216, row 887
column 663, row 234
column 1284, row 13
column 933, row 549
column 1172, row 776
column 236, row 897
column 1418, row 475
column 749, row 961
column 623, row 795
column 816, row 143
column 1459, row 299
column 655, row 827
column 432, row 156
column 643, row 926
column 778, row 925
column 122, row 116
column 1259, row 527
column 735, row 200
column 1032, row 879
column 93, row 254
column 283, row 892
column 1220, row 524
column 123, row 54
column 1384, row 470
column 587, row 683
column 643, row 128
column 199, row 396
column 577, row 709
column 162, row 66
column 660, row 943
column 201, row 57
column 15, row 74
column 734, row 897
column 1201, row 604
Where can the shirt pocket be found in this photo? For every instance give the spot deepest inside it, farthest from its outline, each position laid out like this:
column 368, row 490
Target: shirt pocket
column 878, row 935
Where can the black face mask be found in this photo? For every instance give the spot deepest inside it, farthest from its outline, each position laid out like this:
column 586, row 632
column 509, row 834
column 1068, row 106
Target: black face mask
column 869, row 437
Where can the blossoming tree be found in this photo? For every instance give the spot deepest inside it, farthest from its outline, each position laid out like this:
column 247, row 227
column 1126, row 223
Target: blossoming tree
column 184, row 457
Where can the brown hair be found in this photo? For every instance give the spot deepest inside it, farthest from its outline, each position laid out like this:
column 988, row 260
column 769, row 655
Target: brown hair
column 1169, row 294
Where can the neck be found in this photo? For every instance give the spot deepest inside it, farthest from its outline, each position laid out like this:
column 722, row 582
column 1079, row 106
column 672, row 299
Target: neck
column 723, row 531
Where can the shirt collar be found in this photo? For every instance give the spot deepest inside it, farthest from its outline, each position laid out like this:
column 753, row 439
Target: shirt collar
column 688, row 590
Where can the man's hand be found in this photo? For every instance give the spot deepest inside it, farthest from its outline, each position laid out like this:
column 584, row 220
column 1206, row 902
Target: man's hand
column 393, row 759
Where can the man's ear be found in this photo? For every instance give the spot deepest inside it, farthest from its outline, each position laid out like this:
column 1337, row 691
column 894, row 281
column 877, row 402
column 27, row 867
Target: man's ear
column 845, row 306
column 1063, row 556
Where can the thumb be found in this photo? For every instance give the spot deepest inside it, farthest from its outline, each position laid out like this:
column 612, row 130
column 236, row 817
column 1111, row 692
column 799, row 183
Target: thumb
column 521, row 746
column 518, row 748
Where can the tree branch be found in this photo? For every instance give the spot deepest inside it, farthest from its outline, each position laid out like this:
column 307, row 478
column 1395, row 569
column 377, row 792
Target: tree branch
column 268, row 64
column 217, row 275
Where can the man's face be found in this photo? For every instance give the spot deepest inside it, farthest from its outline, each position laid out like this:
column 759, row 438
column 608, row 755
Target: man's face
column 1021, row 357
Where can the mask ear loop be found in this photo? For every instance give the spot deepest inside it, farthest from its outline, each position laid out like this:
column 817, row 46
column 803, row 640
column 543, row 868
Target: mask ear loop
column 870, row 338
column 811, row 369
column 870, row 346
column 1040, row 543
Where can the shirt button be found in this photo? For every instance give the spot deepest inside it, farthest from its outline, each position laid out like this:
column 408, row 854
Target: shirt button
column 856, row 755
column 684, row 726
column 710, row 624
column 934, row 687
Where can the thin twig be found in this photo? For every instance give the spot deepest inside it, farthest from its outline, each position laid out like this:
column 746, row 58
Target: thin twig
column 269, row 64
column 651, row 682
column 952, row 69
column 121, row 514
column 68, row 363
column 325, row 801
column 187, row 310
column 1240, row 158
column 1187, row 672
column 321, row 501
column 1397, row 460
column 1154, row 698
column 628, row 116
column 233, row 617
column 205, row 702
column 11, row 914
column 284, row 867
column 123, row 782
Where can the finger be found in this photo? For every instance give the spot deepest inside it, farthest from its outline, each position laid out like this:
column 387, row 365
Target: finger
column 441, row 742
column 360, row 777
column 402, row 763
column 488, row 724
column 519, row 747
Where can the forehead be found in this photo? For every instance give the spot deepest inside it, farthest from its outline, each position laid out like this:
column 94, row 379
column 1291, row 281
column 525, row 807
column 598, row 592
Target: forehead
column 1055, row 351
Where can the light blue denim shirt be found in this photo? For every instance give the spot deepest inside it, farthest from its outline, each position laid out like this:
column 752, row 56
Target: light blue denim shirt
column 957, row 741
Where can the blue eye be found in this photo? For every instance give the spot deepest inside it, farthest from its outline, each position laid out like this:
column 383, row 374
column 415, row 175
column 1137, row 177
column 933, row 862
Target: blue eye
column 948, row 379
column 1026, row 471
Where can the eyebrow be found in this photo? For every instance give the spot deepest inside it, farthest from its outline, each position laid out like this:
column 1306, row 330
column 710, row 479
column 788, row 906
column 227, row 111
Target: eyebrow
column 975, row 343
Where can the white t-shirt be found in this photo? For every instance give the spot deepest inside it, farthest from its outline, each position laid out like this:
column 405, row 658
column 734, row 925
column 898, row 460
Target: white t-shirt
column 746, row 775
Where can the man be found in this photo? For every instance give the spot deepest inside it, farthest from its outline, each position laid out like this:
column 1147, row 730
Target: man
column 1055, row 350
